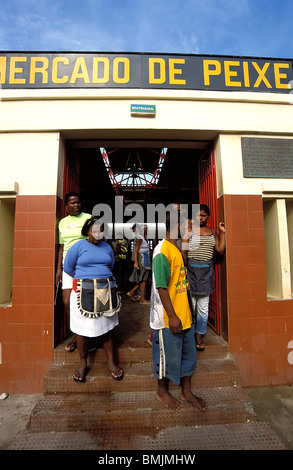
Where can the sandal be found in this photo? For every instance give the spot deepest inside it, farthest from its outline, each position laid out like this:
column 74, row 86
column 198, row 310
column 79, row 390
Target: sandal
column 115, row 373
column 134, row 298
column 200, row 346
column 77, row 377
column 71, row 346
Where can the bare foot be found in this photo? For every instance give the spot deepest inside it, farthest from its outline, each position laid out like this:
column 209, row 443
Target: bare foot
column 195, row 401
column 169, row 402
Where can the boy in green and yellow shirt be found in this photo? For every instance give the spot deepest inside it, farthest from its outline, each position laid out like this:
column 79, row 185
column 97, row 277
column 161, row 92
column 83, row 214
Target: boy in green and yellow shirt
column 174, row 349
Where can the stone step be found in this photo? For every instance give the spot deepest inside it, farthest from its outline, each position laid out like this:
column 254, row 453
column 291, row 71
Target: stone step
column 138, row 377
column 126, row 354
column 137, row 411
column 134, row 354
column 136, row 349
column 104, row 414
column 235, row 436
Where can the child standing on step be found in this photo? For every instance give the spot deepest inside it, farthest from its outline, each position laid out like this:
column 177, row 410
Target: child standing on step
column 173, row 345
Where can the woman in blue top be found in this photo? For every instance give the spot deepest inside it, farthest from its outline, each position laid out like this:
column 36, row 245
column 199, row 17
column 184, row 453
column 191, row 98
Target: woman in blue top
column 94, row 303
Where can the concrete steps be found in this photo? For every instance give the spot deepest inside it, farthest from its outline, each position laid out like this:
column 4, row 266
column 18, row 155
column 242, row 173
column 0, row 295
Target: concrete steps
column 150, row 444
column 135, row 411
column 104, row 414
column 138, row 377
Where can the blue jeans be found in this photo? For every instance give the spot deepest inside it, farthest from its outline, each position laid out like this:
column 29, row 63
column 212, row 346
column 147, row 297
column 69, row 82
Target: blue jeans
column 174, row 354
column 201, row 308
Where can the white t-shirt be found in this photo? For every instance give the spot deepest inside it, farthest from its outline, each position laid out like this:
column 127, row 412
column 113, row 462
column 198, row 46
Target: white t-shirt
column 144, row 244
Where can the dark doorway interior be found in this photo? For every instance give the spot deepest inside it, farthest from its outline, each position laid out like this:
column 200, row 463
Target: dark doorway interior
column 176, row 180
column 140, row 174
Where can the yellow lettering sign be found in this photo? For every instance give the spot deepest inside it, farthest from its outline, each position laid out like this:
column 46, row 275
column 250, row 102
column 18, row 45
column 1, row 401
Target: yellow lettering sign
column 2, row 69
column 213, row 68
column 173, row 71
column 279, row 76
column 80, row 71
column 55, row 63
column 210, row 67
column 97, row 61
column 42, row 69
column 14, row 70
column 162, row 71
column 18, row 70
column 246, row 74
column 231, row 73
column 261, row 74
column 126, row 70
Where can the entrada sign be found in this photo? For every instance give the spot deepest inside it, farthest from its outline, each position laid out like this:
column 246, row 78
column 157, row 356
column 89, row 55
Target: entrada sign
column 134, row 70
column 143, row 110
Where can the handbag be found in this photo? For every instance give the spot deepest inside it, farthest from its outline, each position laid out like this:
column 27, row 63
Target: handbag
column 96, row 297
column 146, row 260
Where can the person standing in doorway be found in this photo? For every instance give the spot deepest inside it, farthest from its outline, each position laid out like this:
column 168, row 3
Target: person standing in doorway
column 69, row 233
column 142, row 265
column 203, row 243
column 173, row 346
column 122, row 255
column 94, row 303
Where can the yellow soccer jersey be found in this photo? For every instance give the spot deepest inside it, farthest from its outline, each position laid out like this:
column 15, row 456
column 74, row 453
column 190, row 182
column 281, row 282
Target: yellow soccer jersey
column 170, row 273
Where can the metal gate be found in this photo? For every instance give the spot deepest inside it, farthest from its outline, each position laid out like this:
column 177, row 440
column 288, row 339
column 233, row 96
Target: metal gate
column 208, row 196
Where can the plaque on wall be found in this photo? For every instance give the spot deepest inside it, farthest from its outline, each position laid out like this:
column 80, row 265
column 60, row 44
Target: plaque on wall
column 267, row 158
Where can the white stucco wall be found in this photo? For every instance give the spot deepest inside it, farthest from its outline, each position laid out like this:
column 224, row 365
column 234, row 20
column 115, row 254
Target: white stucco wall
column 31, row 120
column 229, row 164
column 51, row 110
column 31, row 160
